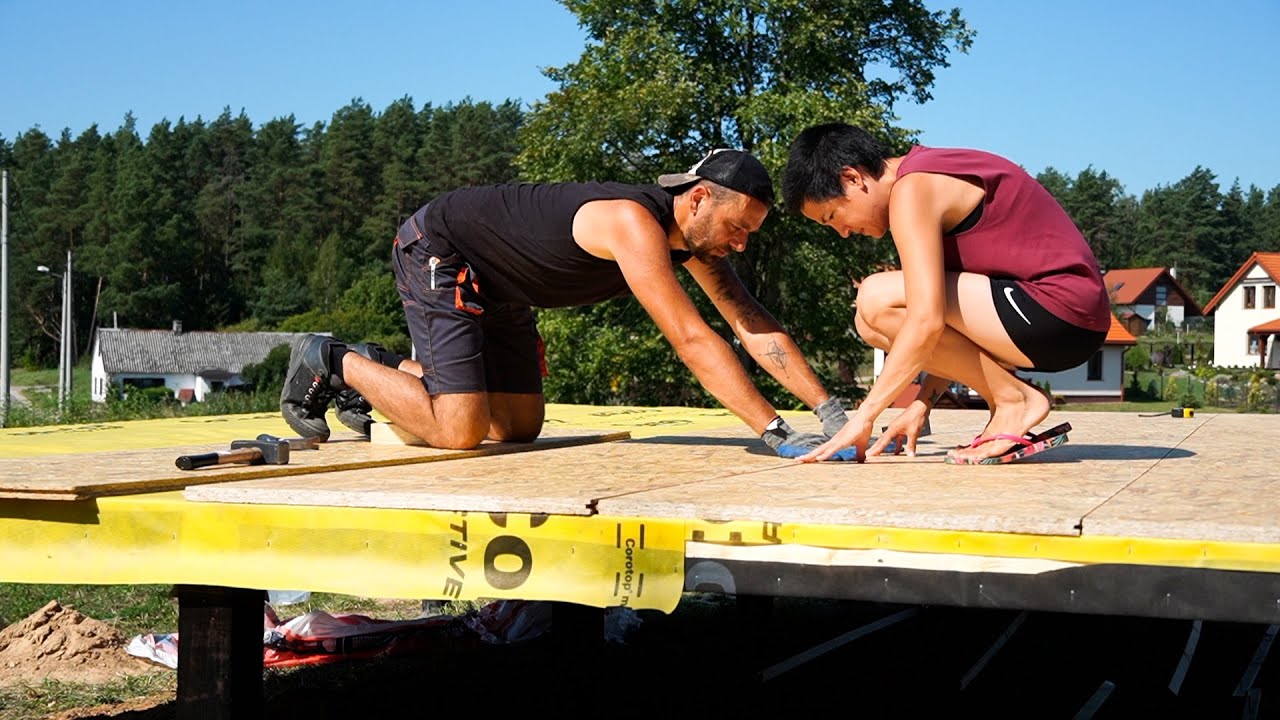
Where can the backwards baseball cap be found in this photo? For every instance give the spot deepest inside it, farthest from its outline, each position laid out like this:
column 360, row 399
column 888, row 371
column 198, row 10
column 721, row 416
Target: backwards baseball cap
column 734, row 169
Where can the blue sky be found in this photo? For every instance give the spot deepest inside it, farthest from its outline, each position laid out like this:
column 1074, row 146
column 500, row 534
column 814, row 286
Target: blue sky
column 1144, row 89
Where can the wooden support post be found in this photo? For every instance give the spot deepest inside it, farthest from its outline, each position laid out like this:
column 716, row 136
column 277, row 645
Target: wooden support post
column 220, row 652
column 576, row 630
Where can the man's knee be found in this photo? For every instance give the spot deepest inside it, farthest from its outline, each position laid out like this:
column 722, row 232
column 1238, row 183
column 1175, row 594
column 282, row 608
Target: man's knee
column 459, row 422
column 516, row 418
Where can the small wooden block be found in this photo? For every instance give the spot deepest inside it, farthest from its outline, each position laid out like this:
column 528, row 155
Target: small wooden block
column 385, row 433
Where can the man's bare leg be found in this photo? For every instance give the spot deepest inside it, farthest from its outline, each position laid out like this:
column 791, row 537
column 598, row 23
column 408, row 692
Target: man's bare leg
column 973, row 349
column 447, row 420
column 516, row 417
column 458, row 421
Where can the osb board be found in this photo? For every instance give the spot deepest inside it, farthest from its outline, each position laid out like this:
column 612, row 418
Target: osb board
column 1223, row 484
column 21, row 442
column 567, row 481
column 1046, row 494
column 81, row 476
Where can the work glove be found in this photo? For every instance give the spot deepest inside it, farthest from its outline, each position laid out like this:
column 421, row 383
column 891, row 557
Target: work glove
column 832, row 415
column 791, row 444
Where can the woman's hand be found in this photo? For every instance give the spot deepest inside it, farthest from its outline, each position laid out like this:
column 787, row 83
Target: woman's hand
column 903, row 431
column 856, row 433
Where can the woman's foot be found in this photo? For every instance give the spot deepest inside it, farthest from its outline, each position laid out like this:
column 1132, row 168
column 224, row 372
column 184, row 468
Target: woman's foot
column 1019, row 408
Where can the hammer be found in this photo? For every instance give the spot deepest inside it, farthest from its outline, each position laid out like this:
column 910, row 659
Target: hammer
column 248, row 452
column 295, row 443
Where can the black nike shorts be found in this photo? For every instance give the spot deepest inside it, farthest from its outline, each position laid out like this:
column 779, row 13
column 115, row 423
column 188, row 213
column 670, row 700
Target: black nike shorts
column 464, row 341
column 1049, row 342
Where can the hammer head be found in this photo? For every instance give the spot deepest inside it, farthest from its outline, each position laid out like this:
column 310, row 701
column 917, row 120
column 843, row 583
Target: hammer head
column 274, row 452
column 295, row 443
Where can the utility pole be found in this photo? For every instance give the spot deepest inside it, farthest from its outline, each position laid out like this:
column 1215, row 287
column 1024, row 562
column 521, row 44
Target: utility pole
column 68, row 341
column 4, row 299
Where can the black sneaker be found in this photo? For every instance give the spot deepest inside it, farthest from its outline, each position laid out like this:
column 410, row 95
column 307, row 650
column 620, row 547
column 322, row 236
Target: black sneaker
column 309, row 387
column 352, row 409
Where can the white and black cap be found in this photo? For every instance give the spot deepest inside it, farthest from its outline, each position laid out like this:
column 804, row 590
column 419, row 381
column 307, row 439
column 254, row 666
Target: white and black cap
column 733, row 169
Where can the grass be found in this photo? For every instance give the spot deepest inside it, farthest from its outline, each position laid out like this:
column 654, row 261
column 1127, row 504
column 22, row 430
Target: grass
column 40, row 389
column 22, row 702
column 1139, row 406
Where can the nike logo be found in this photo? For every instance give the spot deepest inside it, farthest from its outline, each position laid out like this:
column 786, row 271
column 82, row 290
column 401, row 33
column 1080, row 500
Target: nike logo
column 1008, row 295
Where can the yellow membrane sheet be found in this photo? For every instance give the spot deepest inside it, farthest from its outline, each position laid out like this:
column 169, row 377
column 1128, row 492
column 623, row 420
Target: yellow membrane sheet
column 160, row 538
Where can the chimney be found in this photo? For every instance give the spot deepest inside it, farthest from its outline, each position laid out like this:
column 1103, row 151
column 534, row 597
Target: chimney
column 177, row 327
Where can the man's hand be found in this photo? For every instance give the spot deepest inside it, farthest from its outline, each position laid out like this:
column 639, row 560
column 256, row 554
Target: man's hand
column 791, row 444
column 832, row 415
column 903, row 431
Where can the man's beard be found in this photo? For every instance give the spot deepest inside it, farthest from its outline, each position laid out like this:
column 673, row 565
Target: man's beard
column 698, row 239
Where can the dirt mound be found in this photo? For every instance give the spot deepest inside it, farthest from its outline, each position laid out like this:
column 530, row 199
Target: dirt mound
column 58, row 643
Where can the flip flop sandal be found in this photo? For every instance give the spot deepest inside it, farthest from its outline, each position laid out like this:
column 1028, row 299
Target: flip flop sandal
column 1026, row 446
column 1049, row 434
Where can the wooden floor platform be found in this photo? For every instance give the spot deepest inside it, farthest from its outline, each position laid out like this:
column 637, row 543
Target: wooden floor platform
column 1133, row 515
column 1197, row 478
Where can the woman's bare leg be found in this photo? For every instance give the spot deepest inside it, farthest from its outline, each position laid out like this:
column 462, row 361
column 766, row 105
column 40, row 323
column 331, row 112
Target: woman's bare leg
column 974, row 349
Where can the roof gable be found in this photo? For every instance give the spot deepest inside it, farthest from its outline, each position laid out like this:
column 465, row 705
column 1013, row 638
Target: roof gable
column 1268, row 261
column 1118, row 334
column 164, row 351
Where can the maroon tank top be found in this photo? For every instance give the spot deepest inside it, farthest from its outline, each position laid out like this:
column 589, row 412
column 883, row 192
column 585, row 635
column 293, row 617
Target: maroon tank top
column 1023, row 234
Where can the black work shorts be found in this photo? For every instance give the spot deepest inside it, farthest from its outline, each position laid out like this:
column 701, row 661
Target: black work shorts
column 464, row 341
column 1049, row 342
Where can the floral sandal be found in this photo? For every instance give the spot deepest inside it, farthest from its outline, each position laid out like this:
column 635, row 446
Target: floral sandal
column 1027, row 445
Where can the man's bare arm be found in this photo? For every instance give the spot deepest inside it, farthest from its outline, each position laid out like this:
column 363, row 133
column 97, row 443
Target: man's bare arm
column 625, row 232
column 760, row 333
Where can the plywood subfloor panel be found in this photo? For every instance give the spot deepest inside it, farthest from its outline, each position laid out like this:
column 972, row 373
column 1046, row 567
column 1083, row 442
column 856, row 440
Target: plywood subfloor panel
column 567, row 481
column 1046, row 494
column 1222, row 483
column 86, row 475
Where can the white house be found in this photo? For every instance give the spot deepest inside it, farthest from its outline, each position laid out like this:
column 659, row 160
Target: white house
column 191, row 364
column 1100, row 379
column 1246, row 319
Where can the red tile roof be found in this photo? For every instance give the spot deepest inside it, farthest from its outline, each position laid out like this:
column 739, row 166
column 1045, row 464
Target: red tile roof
column 1271, row 326
column 1270, row 263
column 1127, row 285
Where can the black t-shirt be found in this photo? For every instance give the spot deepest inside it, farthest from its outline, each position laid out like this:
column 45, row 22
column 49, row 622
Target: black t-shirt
column 518, row 238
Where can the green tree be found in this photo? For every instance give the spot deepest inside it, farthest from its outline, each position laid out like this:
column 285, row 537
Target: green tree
column 283, row 291
column 1181, row 226
column 330, row 273
column 1268, row 221
column 350, row 174
column 397, row 138
column 219, row 211
column 471, row 143
column 1096, row 203
column 33, row 170
column 659, row 85
column 281, row 212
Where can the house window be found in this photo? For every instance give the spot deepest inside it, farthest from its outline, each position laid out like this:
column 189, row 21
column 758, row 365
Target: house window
column 1269, row 296
column 1095, row 366
column 1253, row 344
column 1250, row 297
column 1162, row 295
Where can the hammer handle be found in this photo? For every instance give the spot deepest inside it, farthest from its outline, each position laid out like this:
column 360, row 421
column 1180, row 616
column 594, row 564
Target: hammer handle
column 243, row 455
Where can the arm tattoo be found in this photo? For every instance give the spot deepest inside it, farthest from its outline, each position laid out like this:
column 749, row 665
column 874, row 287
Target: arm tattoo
column 777, row 355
